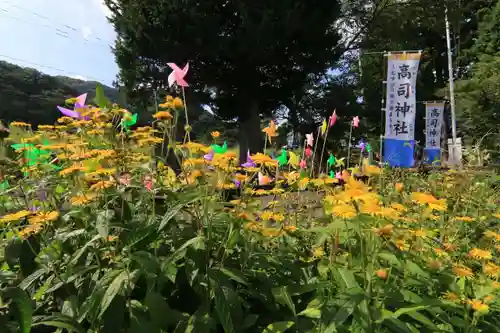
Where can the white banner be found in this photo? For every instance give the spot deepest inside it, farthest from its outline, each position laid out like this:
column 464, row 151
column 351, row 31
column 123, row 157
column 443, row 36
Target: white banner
column 433, row 125
column 400, row 106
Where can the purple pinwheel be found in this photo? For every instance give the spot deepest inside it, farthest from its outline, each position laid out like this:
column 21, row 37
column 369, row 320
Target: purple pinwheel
column 79, row 104
column 361, row 145
column 249, row 163
column 209, row 156
column 237, row 183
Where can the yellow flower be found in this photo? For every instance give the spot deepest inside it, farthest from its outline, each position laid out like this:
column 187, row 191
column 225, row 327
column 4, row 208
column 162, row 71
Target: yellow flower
column 303, row 183
column 290, row 228
column 30, row 230
column 479, row 254
column 43, row 217
column 20, row 124
column 177, row 103
column 81, row 200
column 402, row 245
column 381, row 274
column 462, row 271
column 271, row 232
column 15, row 216
column 386, row 230
column 399, row 187
column 497, row 216
column 451, row 296
column 168, row 102
column 100, row 185
column 344, row 210
column 163, row 115
column 318, row 252
column 399, row 207
column 463, row 218
column 478, row 305
column 491, row 270
column 215, row 134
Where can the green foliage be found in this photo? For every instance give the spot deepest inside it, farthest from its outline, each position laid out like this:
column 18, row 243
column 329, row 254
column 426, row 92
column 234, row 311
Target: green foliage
column 30, row 96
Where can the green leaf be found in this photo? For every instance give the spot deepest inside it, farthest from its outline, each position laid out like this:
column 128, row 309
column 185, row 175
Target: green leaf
column 345, row 278
column 26, row 283
column 235, row 275
column 102, row 222
column 24, row 308
column 311, row 313
column 58, row 321
column 80, row 252
column 414, row 269
column 283, row 297
column 100, row 100
column 179, row 253
column 223, row 310
column 249, row 321
column 113, row 289
column 278, row 327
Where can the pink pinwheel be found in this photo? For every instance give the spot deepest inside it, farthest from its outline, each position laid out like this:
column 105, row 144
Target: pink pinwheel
column 310, row 139
column 177, row 75
column 332, row 119
column 338, row 175
column 308, row 151
column 79, row 104
column 355, row 121
column 303, row 164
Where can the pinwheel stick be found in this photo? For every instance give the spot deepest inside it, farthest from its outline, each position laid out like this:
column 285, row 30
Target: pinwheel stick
column 314, row 152
column 323, row 151
column 188, row 129
column 349, row 147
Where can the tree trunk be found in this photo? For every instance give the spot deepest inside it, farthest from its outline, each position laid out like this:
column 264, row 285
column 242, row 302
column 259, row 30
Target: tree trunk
column 250, row 137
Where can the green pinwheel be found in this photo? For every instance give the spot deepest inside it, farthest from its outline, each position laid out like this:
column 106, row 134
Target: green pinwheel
column 282, row 159
column 4, row 185
column 218, row 149
column 331, row 161
column 33, row 155
column 129, row 121
column 368, row 147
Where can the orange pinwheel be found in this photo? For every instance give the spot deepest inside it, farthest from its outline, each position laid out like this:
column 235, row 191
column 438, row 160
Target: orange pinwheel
column 270, row 130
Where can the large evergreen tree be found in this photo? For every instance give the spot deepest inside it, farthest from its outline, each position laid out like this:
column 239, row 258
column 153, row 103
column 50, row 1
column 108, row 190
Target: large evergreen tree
column 250, row 55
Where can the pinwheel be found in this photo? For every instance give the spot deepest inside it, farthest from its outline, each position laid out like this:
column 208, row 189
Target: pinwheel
column 79, row 104
column 324, row 126
column 361, row 145
column 355, row 121
column 303, row 164
column 333, row 119
column 217, row 149
column 293, row 159
column 249, row 163
column 263, row 179
column 282, row 159
column 177, row 75
column 331, row 161
column 129, row 121
column 33, row 155
column 310, row 139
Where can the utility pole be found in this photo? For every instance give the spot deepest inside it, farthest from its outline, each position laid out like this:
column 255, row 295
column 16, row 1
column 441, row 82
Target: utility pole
column 452, row 90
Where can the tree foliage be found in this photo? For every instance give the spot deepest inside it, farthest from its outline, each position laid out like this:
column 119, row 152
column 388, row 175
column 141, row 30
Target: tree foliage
column 250, row 55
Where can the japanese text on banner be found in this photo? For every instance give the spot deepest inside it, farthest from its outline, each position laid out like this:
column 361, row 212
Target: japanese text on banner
column 433, row 125
column 400, row 108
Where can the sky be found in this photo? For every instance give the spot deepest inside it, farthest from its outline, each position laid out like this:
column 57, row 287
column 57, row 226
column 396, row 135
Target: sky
column 59, row 37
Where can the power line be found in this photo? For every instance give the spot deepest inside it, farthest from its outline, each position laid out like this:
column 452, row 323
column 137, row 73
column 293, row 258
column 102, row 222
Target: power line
column 49, row 67
column 60, row 32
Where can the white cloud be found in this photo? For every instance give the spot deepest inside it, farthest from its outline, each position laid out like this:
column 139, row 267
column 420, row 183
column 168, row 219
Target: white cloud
column 80, row 77
column 86, row 32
